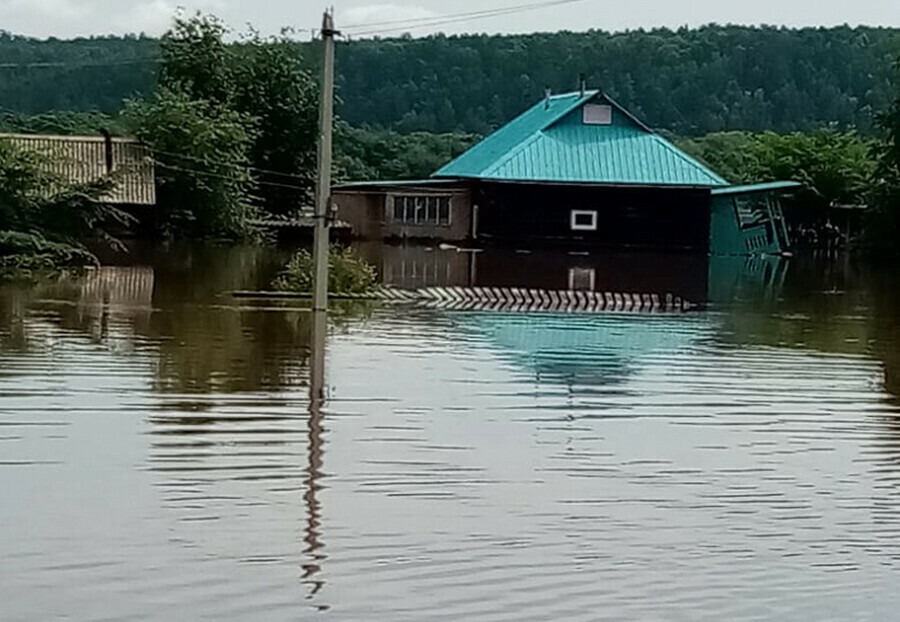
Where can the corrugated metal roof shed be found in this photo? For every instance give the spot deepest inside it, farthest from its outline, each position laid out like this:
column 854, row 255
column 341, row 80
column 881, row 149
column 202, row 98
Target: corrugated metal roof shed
column 554, row 142
column 82, row 159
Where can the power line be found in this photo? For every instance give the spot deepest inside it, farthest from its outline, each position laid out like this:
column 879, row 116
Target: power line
column 182, row 169
column 438, row 20
column 200, row 160
column 59, row 65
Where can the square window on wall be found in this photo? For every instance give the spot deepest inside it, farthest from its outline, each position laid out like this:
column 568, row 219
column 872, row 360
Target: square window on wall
column 583, row 220
column 597, row 114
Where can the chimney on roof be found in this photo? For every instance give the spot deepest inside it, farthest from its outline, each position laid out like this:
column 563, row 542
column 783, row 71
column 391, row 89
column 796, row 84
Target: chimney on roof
column 582, row 84
column 547, row 93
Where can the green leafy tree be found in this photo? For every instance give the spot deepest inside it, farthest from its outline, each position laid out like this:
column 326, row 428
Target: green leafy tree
column 203, row 156
column 197, row 61
column 835, row 167
column 884, row 219
column 386, row 155
column 272, row 85
column 265, row 81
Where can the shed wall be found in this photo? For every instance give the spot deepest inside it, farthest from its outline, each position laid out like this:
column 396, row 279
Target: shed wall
column 371, row 215
column 730, row 236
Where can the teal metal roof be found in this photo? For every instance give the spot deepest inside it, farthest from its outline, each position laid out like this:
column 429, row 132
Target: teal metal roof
column 550, row 143
column 771, row 186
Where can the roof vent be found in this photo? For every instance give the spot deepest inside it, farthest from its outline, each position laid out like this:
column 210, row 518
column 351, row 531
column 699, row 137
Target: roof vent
column 597, row 114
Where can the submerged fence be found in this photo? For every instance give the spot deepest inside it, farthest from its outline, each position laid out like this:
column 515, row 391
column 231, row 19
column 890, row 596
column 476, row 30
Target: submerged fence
column 512, row 299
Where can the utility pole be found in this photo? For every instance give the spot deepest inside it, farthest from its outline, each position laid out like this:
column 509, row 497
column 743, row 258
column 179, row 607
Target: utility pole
column 323, row 183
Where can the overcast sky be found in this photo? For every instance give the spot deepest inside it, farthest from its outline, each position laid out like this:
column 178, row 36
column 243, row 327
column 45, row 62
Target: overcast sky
column 67, row 18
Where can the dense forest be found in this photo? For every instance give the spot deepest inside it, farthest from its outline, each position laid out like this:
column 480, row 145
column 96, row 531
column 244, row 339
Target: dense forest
column 689, row 81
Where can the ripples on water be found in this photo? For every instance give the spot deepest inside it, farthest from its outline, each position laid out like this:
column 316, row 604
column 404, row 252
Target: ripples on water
column 158, row 460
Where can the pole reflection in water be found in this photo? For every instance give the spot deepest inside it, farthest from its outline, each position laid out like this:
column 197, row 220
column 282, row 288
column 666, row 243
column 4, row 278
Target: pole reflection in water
column 317, row 397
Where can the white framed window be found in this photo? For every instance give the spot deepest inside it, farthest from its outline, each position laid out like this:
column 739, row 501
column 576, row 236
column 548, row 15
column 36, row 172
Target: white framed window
column 584, row 220
column 597, row 114
column 433, row 210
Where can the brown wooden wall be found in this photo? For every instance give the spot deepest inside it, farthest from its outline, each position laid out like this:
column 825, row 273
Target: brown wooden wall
column 369, row 212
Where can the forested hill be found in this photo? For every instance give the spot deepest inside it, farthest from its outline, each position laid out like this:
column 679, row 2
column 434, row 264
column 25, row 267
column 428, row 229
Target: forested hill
column 74, row 75
column 689, row 81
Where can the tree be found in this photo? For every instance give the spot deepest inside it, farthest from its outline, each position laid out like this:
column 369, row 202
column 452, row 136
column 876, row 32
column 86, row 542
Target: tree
column 203, row 156
column 690, row 81
column 265, row 81
column 835, row 167
column 272, row 85
column 384, row 155
column 884, row 220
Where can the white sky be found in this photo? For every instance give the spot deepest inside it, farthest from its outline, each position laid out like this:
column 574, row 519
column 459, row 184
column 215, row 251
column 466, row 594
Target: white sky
column 67, row 18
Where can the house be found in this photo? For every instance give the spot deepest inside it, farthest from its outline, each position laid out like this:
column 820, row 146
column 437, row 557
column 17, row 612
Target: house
column 84, row 159
column 580, row 170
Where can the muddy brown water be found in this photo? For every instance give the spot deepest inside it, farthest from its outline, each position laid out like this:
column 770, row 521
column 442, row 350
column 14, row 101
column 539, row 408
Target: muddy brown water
column 159, row 458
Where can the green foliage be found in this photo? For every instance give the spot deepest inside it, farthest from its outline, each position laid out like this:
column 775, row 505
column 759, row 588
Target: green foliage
column 273, row 85
column 884, row 220
column 348, row 273
column 33, row 199
column 196, row 60
column 203, row 154
column 234, row 127
column 386, row 155
column 30, row 257
column 63, row 123
column 835, row 167
column 42, row 218
column 691, row 81
column 81, row 74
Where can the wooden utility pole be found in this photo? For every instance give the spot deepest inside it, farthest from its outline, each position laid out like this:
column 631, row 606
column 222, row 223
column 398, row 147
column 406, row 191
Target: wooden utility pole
column 323, row 184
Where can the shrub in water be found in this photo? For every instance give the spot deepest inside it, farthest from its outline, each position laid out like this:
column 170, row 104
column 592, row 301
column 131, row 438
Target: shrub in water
column 348, row 273
column 29, row 256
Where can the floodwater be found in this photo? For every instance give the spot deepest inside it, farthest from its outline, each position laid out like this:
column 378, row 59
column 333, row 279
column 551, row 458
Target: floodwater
column 160, row 457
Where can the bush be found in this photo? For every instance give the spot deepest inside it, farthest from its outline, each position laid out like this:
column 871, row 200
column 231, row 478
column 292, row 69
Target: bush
column 348, row 273
column 30, row 256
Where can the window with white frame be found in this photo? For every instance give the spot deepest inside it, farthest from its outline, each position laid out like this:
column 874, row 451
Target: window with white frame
column 597, row 114
column 584, row 220
column 433, row 210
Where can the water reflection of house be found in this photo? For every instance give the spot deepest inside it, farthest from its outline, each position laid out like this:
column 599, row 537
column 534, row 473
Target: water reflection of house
column 117, row 293
column 579, row 169
column 680, row 274
column 585, row 350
